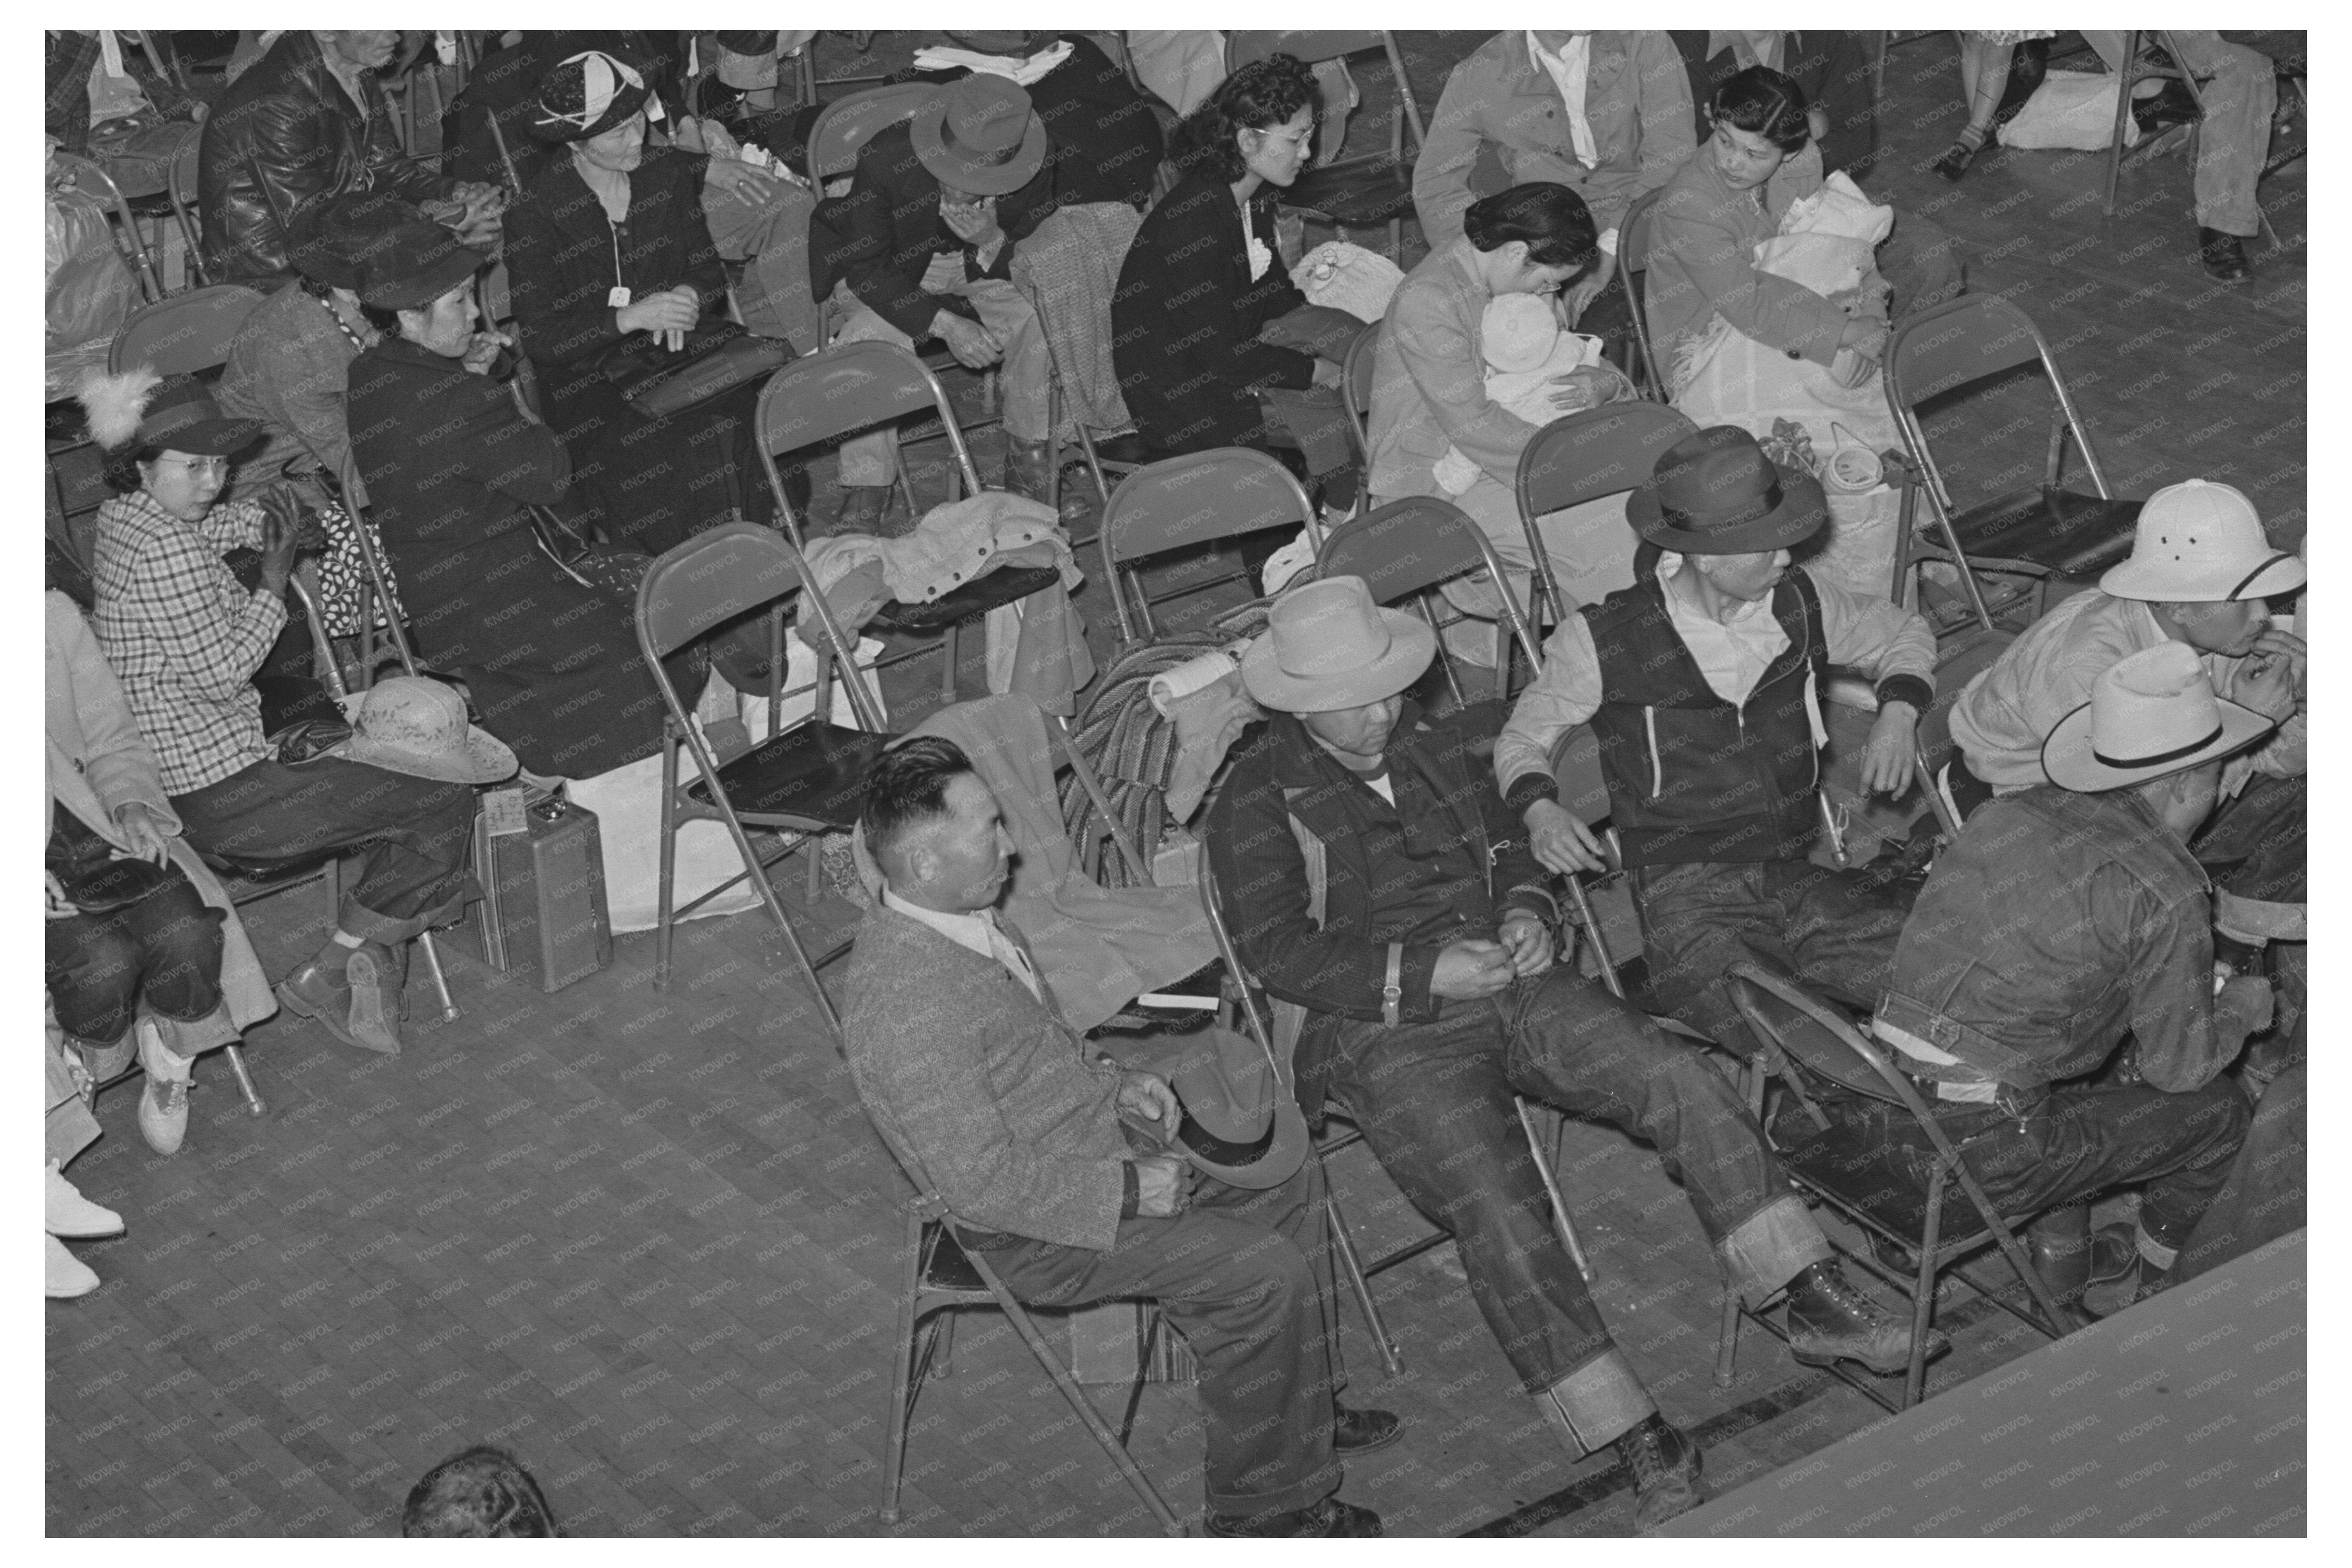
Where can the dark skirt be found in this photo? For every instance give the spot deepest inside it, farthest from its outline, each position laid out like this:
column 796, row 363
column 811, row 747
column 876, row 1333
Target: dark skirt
column 653, row 484
column 553, row 666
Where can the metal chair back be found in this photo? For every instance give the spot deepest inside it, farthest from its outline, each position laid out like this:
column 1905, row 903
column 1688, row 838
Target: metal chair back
column 1633, row 237
column 183, row 334
column 180, row 188
column 1356, row 384
column 1195, row 500
column 847, row 124
column 378, row 584
column 1963, row 342
column 845, row 389
column 1583, row 457
column 88, row 175
column 1406, row 549
column 1243, row 48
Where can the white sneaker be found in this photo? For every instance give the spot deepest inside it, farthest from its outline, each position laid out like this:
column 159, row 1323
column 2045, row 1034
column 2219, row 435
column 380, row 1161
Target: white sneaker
column 69, row 1275
column 70, row 1214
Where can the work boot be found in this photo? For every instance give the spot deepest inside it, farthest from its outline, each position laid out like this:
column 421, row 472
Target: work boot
column 1829, row 1321
column 2223, row 256
column 323, row 990
column 2116, row 1271
column 69, row 1275
column 862, row 507
column 1027, row 470
column 70, row 1214
column 1361, row 1431
column 1664, row 1464
column 1329, row 1518
column 2058, row 1245
column 164, row 1099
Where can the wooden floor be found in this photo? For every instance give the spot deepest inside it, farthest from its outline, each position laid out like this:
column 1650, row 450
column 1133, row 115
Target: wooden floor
column 649, row 1242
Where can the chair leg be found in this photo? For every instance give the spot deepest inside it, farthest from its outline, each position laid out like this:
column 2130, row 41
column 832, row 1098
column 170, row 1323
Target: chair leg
column 1352, row 1263
column 253, row 1103
column 1922, row 1295
column 1080, row 1405
column 440, row 981
column 1560, row 1222
column 948, row 665
column 902, row 1408
column 1727, row 1343
column 664, row 920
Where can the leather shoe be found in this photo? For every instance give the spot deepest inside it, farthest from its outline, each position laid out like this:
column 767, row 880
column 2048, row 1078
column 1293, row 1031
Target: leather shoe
column 323, row 991
column 2224, row 255
column 164, row 1099
column 1329, row 1518
column 1829, row 1321
column 1664, row 1463
column 1028, row 471
column 1361, row 1431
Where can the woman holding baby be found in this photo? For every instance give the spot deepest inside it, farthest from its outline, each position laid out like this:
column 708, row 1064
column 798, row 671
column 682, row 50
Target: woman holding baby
column 1473, row 360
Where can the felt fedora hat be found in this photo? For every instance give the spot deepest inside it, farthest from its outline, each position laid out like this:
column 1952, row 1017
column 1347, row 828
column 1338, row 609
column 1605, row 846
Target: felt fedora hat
column 979, row 137
column 1239, row 1125
column 1328, row 647
column 2151, row 714
column 1715, row 493
column 331, row 237
column 412, row 264
column 405, row 724
column 2200, row 542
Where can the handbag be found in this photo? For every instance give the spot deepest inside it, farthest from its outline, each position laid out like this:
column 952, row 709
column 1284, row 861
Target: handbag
column 718, row 358
column 94, row 882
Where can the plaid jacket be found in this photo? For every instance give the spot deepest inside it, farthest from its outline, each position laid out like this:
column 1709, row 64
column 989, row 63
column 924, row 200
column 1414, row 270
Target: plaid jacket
column 183, row 635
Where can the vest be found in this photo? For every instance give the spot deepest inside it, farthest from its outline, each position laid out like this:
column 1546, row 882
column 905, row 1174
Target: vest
column 1692, row 777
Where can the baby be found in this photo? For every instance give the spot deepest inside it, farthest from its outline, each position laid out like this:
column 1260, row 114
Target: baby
column 1525, row 349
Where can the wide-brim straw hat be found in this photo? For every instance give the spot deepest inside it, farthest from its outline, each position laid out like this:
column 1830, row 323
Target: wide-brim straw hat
column 2151, row 714
column 405, row 724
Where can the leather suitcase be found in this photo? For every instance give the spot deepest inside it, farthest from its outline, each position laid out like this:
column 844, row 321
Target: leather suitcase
column 542, row 891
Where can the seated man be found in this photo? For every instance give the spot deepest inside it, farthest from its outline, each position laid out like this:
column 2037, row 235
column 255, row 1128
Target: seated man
column 185, row 637
column 1702, row 683
column 310, row 120
column 982, row 1090
column 922, row 247
column 2066, row 917
column 2240, row 89
column 1372, row 879
column 2199, row 574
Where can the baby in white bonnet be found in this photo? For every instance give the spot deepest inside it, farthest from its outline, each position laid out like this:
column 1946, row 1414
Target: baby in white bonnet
column 1524, row 349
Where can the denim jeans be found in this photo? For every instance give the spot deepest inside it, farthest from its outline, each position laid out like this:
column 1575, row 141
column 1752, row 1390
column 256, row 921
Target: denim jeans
column 1434, row 1102
column 1246, row 1277
column 166, row 947
column 1828, row 928
column 411, row 835
column 1007, row 313
column 2074, row 1144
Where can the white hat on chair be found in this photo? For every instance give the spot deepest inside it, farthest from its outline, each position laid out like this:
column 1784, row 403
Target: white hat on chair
column 2202, row 543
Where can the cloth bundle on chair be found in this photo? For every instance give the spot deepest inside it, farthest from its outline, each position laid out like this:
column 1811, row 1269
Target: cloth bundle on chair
column 1727, row 377
column 1347, row 276
column 1097, row 949
column 1069, row 266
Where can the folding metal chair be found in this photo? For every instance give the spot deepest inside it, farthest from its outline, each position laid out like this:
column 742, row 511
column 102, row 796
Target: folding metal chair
column 804, row 780
column 1356, row 395
column 88, row 175
column 850, row 387
column 1634, row 235
column 2137, row 70
column 1581, row 457
column 943, row 1275
column 375, row 586
column 1186, row 502
column 2042, row 531
column 183, row 335
column 1354, row 192
column 1814, row 1039
column 1405, row 550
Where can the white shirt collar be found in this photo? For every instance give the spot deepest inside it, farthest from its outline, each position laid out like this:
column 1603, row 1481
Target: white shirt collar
column 976, row 931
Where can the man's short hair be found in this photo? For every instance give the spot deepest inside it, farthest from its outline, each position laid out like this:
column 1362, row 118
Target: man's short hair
column 906, row 787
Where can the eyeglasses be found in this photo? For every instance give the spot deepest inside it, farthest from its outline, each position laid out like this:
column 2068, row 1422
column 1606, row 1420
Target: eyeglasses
column 220, row 466
column 1291, row 138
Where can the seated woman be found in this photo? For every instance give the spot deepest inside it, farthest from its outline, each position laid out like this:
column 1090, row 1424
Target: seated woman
column 287, row 368
column 609, row 241
column 184, row 637
column 1429, row 396
column 1732, row 196
column 1203, row 284
column 143, row 953
column 547, row 648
